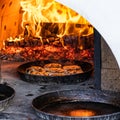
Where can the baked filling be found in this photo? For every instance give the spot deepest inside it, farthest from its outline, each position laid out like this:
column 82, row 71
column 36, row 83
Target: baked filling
column 54, row 69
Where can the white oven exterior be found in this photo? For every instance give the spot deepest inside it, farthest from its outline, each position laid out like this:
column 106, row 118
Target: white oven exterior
column 104, row 16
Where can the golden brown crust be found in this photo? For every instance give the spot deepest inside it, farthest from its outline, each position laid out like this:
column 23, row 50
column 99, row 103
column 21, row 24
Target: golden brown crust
column 34, row 69
column 71, row 67
column 53, row 65
column 54, row 69
column 71, row 72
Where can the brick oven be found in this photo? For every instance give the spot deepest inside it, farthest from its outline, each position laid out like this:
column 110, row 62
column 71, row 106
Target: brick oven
column 38, row 34
column 109, row 65
column 56, row 33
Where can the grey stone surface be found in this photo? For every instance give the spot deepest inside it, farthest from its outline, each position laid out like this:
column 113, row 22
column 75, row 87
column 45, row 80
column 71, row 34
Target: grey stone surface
column 111, row 79
column 108, row 59
column 20, row 108
column 110, row 72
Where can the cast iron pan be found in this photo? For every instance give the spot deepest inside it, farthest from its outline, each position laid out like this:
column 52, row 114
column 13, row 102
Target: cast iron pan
column 6, row 95
column 75, row 78
column 58, row 105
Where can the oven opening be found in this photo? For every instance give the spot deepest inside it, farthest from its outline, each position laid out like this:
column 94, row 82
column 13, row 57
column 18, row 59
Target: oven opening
column 54, row 35
column 49, row 31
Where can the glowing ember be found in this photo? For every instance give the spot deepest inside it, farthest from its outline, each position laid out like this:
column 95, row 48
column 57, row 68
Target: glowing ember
column 45, row 52
column 82, row 113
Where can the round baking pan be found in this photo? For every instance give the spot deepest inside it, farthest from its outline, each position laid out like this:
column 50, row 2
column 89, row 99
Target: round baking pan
column 68, row 105
column 73, row 78
column 6, row 95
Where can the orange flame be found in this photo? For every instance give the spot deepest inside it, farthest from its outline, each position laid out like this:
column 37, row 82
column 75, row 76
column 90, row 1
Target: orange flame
column 37, row 12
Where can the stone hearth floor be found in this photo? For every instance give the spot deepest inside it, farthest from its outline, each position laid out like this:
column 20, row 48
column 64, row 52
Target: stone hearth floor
column 20, row 108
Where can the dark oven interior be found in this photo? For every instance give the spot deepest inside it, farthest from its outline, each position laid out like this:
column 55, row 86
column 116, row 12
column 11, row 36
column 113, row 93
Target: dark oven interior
column 34, row 34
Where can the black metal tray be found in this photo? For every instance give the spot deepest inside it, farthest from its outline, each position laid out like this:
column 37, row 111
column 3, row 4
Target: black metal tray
column 108, row 102
column 74, row 78
column 6, row 95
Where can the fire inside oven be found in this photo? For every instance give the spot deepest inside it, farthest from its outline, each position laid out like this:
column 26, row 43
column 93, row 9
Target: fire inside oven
column 47, row 30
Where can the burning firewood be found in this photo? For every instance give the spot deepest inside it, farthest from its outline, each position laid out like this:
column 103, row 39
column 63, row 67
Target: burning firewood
column 45, row 52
